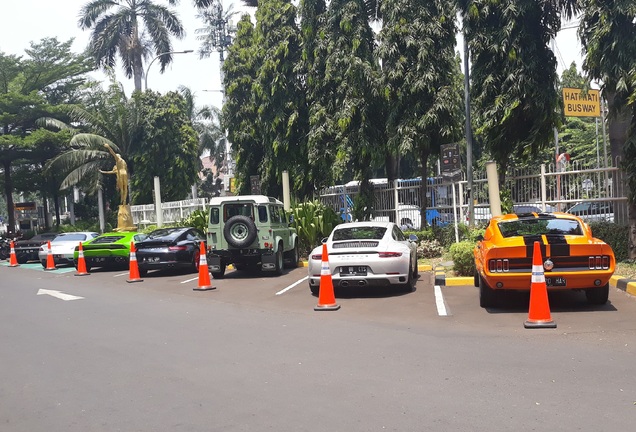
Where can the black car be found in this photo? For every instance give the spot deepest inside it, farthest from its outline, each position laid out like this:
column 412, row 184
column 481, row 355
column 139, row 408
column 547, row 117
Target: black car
column 27, row 250
column 166, row 248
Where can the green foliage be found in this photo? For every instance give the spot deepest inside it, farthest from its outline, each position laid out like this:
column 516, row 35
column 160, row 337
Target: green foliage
column 313, row 222
column 118, row 28
column 463, row 258
column 167, row 148
column 197, row 219
column 429, row 249
column 616, row 236
column 510, row 54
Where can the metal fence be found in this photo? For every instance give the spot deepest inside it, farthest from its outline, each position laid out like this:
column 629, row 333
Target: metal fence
column 174, row 211
column 590, row 192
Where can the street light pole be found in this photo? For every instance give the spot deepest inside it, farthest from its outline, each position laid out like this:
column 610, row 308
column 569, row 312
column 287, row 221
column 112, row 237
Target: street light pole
column 158, row 56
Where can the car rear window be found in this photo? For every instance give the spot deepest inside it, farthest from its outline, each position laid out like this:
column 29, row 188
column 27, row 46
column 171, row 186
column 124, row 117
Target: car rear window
column 168, row 233
column 359, row 233
column 539, row 226
column 70, row 237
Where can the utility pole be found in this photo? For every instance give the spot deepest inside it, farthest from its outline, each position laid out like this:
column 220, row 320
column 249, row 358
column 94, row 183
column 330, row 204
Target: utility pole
column 469, row 138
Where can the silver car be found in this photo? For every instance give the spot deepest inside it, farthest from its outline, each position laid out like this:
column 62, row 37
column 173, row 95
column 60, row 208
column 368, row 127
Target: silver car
column 362, row 254
column 63, row 246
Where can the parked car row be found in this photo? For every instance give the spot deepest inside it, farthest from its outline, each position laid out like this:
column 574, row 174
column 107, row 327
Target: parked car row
column 165, row 248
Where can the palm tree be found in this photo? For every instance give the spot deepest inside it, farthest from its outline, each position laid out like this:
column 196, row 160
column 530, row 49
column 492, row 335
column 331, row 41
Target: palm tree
column 120, row 33
column 115, row 121
column 206, row 122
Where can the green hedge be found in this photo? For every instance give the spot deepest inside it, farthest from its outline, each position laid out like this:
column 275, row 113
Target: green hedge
column 617, row 236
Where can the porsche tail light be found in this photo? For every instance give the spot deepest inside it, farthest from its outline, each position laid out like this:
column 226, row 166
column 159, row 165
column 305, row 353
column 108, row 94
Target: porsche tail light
column 389, row 254
column 177, row 248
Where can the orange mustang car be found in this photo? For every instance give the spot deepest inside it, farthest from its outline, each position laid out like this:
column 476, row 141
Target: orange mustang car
column 572, row 258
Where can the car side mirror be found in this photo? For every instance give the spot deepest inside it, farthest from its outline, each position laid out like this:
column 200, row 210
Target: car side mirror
column 412, row 237
column 324, row 240
column 479, row 237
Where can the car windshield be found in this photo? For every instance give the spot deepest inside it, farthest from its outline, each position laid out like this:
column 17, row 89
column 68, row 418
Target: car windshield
column 359, row 233
column 70, row 237
column 534, row 226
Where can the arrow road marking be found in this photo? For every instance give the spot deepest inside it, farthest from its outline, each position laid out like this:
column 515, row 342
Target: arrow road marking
column 58, row 294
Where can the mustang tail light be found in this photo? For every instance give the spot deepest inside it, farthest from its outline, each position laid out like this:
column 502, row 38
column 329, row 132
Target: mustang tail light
column 177, row 248
column 499, row 265
column 389, row 254
column 599, row 262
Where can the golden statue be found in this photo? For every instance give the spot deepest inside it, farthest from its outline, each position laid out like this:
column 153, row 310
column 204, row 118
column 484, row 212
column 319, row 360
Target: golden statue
column 124, row 217
column 121, row 171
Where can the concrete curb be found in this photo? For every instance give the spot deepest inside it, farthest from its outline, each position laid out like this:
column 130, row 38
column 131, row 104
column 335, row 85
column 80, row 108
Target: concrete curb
column 625, row 284
column 620, row 282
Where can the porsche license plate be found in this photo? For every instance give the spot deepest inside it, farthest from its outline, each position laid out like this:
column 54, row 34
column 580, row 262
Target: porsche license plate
column 555, row 281
column 353, row 271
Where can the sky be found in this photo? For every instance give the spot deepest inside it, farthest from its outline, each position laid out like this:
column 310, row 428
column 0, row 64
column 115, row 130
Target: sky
column 26, row 21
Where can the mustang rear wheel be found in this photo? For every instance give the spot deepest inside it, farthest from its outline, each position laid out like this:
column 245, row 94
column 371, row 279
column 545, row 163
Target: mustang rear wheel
column 487, row 295
column 597, row 296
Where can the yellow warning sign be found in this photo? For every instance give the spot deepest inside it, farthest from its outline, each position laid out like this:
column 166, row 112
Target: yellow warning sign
column 579, row 103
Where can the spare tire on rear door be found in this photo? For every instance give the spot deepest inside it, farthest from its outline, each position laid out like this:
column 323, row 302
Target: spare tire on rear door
column 239, row 231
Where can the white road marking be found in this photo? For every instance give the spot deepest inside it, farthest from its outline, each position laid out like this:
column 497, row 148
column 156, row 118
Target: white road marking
column 190, row 280
column 58, row 294
column 439, row 301
column 292, row 285
column 121, row 274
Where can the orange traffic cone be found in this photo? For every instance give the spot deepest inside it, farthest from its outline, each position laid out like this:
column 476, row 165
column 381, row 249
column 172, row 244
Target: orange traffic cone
column 134, row 269
column 204, row 272
column 50, row 262
column 539, row 310
column 81, row 263
column 13, row 260
column 326, row 295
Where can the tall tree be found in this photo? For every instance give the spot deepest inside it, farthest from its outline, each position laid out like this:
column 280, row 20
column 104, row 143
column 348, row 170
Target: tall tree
column 112, row 119
column 513, row 75
column 280, row 97
column 239, row 109
column 352, row 109
column 421, row 76
column 49, row 72
column 607, row 34
column 121, row 33
column 168, row 148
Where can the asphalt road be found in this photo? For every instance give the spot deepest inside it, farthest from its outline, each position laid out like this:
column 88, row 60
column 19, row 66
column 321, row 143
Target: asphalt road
column 253, row 355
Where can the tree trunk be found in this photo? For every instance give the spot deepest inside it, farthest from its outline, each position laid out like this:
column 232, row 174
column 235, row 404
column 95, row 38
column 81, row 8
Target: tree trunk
column 631, row 244
column 424, row 155
column 8, row 193
column 617, row 126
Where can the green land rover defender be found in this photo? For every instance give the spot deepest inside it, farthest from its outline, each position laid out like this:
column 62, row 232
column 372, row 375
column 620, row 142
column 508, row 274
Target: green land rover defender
column 250, row 232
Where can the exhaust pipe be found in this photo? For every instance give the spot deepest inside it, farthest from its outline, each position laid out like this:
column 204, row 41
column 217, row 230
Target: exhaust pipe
column 362, row 283
column 344, row 284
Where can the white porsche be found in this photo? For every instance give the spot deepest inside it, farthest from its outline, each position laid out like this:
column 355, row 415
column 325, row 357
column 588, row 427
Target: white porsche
column 362, row 254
